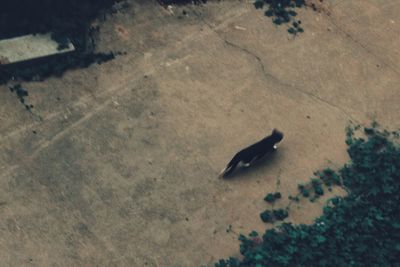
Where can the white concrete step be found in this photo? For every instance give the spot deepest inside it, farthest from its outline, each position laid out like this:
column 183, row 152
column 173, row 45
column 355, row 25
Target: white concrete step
column 29, row 47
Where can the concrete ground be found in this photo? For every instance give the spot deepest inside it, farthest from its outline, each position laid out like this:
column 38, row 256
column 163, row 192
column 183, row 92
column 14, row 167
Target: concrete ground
column 117, row 164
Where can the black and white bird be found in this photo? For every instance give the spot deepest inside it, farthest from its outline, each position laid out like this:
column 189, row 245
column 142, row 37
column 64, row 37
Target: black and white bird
column 246, row 157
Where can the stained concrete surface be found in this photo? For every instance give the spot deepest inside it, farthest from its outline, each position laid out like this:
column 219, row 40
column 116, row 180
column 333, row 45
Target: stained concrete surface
column 122, row 167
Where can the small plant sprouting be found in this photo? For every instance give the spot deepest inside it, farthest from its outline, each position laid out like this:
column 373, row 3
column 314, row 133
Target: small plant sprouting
column 315, row 188
column 304, row 190
column 280, row 214
column 318, row 190
column 272, row 197
column 294, row 198
column 267, row 216
column 270, row 216
column 329, row 177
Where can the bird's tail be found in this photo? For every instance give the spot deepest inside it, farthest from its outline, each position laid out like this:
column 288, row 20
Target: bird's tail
column 223, row 172
column 228, row 169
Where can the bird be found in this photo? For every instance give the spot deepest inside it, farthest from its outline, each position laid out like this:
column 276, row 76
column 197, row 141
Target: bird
column 247, row 156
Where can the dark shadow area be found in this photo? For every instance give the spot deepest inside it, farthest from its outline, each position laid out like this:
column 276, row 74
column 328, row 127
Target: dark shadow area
column 181, row 2
column 66, row 21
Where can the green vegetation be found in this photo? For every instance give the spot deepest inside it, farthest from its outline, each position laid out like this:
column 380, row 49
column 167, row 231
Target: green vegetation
column 270, row 216
column 282, row 11
column 267, row 216
column 360, row 229
column 272, row 197
column 315, row 188
column 280, row 214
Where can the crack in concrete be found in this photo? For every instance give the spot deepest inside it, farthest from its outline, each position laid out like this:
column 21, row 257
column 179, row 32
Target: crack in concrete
column 272, row 77
column 287, row 85
column 351, row 38
column 363, row 46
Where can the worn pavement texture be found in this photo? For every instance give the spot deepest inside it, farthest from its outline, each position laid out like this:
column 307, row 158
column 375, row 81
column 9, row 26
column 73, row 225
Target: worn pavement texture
column 117, row 164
